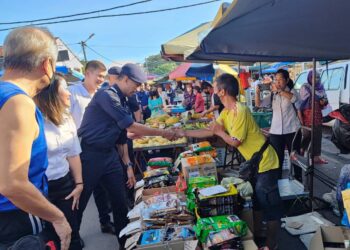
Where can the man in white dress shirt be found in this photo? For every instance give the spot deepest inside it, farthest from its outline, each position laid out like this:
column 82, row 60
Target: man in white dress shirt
column 81, row 95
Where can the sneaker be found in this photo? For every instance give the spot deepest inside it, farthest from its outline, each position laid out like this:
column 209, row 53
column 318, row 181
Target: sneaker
column 108, row 228
column 330, row 198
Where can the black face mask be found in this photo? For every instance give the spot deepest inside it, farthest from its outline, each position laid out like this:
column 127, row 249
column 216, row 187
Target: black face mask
column 52, row 78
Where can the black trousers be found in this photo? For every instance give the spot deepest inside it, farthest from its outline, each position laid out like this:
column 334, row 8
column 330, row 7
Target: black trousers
column 58, row 190
column 279, row 143
column 16, row 224
column 103, row 204
column 101, row 166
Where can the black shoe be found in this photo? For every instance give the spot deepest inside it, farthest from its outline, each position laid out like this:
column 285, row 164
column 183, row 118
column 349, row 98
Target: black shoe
column 108, row 228
column 82, row 244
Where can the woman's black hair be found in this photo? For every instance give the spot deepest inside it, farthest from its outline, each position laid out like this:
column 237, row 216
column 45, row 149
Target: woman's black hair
column 285, row 75
column 154, row 93
column 228, row 83
column 197, row 88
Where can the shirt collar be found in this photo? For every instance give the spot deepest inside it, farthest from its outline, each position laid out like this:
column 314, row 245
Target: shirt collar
column 120, row 93
column 85, row 92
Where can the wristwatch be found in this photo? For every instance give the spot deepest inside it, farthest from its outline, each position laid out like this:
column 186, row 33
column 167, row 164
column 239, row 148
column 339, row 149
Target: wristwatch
column 130, row 165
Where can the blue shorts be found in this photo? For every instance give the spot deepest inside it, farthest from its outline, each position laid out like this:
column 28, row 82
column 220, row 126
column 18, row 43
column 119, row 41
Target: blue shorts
column 266, row 196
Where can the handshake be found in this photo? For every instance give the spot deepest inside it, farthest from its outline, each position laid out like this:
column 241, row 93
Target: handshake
column 173, row 134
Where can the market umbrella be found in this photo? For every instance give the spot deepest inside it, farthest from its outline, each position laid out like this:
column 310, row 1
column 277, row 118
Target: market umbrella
column 180, row 72
column 176, row 48
column 279, row 30
column 201, row 71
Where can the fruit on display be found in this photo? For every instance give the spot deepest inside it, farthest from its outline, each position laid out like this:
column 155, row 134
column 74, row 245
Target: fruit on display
column 157, row 119
column 153, row 141
column 196, row 116
column 172, row 120
column 197, row 125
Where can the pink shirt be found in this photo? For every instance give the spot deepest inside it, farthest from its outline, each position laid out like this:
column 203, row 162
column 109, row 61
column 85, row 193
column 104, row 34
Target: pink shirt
column 199, row 103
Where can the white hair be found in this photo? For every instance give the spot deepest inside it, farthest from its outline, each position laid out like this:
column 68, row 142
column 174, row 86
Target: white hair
column 26, row 48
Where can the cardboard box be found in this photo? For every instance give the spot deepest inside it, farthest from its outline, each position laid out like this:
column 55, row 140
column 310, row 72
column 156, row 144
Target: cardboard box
column 157, row 191
column 249, row 245
column 247, row 215
column 172, row 245
column 249, row 236
column 207, row 169
column 330, row 238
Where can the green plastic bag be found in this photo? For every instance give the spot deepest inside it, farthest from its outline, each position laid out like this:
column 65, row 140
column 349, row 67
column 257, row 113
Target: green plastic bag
column 215, row 224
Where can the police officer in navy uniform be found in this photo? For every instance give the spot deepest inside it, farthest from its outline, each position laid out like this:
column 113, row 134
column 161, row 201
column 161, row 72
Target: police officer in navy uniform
column 106, row 121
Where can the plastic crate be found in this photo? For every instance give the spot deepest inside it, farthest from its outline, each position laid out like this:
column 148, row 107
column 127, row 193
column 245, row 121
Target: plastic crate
column 263, row 119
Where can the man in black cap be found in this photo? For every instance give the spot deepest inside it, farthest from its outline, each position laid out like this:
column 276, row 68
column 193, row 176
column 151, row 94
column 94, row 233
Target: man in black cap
column 106, row 122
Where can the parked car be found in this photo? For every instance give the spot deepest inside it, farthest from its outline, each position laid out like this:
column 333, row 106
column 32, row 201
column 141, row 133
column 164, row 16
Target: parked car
column 336, row 80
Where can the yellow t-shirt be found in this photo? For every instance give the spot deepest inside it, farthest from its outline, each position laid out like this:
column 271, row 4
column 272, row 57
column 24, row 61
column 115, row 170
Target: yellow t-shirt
column 241, row 125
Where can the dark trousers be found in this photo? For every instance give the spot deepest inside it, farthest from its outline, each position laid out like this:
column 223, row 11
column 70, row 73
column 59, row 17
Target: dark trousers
column 103, row 167
column 305, row 142
column 16, row 224
column 58, row 190
column 103, row 204
column 279, row 143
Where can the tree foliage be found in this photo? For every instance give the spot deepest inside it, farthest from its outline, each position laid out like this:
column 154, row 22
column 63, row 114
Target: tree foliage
column 155, row 64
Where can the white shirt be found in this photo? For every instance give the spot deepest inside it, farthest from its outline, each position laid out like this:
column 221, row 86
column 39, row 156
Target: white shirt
column 284, row 116
column 164, row 97
column 79, row 100
column 62, row 142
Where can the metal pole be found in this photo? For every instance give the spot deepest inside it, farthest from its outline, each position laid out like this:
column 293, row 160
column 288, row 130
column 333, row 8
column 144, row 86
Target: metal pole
column 240, row 85
column 83, row 47
column 312, row 153
column 260, row 70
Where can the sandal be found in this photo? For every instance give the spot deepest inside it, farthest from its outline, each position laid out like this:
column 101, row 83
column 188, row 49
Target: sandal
column 293, row 156
column 320, row 161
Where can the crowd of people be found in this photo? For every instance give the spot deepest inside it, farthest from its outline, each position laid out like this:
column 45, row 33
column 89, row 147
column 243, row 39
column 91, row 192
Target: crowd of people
column 60, row 144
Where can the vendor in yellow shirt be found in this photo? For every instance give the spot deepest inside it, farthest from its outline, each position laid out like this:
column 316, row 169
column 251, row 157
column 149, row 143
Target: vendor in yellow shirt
column 237, row 127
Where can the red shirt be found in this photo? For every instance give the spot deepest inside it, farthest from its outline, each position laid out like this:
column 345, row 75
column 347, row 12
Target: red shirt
column 199, row 103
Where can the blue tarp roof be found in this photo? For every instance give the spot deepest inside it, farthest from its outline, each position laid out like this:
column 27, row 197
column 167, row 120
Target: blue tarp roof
column 64, row 70
column 201, row 71
column 276, row 66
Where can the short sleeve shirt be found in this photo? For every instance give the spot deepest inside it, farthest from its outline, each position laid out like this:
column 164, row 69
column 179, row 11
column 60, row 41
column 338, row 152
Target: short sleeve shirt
column 240, row 124
column 62, row 142
column 79, row 99
column 106, row 119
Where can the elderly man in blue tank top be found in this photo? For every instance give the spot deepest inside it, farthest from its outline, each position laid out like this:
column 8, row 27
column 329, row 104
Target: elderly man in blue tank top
column 29, row 60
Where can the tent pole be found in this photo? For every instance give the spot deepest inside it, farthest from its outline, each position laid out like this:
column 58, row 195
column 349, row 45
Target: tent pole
column 312, row 153
column 260, row 70
column 239, row 71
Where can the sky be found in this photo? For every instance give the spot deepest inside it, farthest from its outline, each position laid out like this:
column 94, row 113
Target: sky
column 130, row 38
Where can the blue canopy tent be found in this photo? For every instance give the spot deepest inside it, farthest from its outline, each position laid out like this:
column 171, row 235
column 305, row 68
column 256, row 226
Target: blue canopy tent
column 274, row 68
column 201, row 71
column 71, row 75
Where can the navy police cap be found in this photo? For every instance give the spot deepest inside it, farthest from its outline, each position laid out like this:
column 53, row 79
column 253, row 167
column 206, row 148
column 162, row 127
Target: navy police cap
column 134, row 72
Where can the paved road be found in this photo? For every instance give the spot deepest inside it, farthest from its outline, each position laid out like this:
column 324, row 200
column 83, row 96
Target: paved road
column 94, row 239
column 91, row 233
